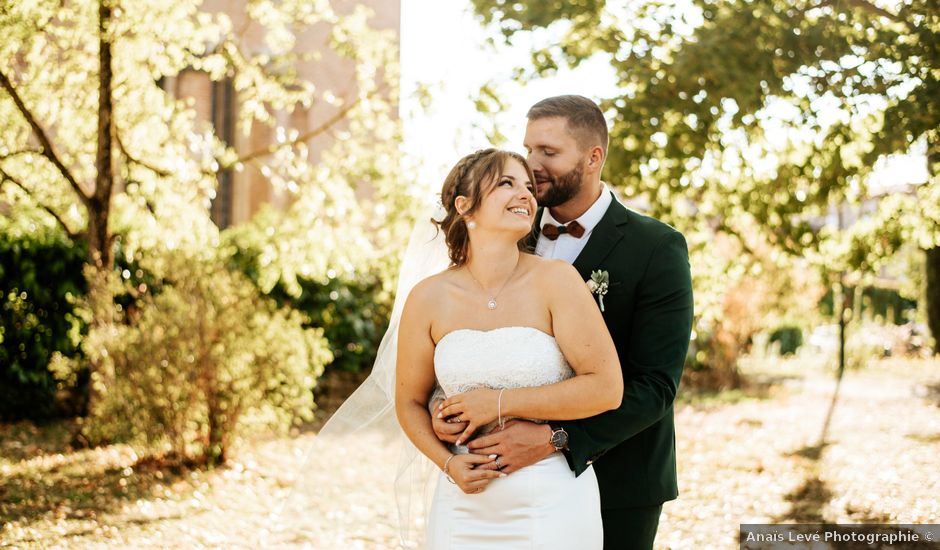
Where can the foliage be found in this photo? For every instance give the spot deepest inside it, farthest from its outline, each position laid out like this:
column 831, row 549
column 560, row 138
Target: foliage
column 44, row 321
column 762, row 114
column 865, row 345
column 353, row 314
column 765, row 109
column 932, row 276
column 40, row 282
column 788, row 338
column 742, row 285
column 885, row 305
column 352, row 306
column 199, row 362
column 73, row 131
column 168, row 159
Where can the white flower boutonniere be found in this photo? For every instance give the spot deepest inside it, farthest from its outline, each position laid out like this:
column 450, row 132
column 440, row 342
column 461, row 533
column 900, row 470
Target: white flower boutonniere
column 598, row 284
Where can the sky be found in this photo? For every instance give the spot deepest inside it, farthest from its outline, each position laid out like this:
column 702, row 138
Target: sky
column 444, row 50
column 443, row 47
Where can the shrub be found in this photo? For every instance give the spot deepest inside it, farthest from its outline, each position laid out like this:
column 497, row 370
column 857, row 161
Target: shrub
column 353, row 314
column 788, row 338
column 199, row 362
column 351, row 306
column 40, row 283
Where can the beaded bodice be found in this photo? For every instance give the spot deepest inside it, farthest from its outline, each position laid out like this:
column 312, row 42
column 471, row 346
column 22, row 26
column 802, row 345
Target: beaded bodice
column 505, row 357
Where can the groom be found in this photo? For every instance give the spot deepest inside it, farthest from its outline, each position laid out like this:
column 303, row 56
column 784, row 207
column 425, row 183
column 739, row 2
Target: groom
column 648, row 310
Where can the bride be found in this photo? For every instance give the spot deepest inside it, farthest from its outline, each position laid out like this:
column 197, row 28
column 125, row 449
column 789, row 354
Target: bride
column 506, row 335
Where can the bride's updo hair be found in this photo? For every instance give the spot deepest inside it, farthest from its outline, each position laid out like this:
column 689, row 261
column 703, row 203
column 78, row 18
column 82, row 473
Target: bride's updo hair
column 474, row 176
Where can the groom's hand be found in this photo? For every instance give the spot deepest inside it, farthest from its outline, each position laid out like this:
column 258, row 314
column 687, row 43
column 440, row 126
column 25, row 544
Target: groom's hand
column 448, row 432
column 519, row 444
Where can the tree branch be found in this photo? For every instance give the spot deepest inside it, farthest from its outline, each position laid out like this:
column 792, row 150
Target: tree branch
column 862, row 5
column 158, row 171
column 4, row 176
column 21, row 152
column 240, row 33
column 724, row 226
column 872, row 8
column 329, row 123
column 47, row 150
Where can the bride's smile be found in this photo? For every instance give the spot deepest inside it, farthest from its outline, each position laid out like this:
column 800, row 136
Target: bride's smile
column 509, row 204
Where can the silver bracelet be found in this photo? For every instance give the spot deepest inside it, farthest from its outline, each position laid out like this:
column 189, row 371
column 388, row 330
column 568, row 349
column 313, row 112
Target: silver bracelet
column 447, row 475
column 499, row 409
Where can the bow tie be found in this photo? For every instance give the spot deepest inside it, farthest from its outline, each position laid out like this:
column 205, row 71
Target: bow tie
column 552, row 231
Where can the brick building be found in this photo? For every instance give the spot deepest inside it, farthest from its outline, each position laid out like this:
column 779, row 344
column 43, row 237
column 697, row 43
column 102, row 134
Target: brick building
column 241, row 193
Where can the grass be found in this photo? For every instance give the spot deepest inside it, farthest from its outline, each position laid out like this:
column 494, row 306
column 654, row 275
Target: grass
column 60, row 490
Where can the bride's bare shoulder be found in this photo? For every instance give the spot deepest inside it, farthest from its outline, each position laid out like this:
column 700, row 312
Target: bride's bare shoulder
column 548, row 269
column 429, row 290
column 554, row 277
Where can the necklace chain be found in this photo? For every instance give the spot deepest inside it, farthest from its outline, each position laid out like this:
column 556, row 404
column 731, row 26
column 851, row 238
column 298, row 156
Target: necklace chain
column 491, row 303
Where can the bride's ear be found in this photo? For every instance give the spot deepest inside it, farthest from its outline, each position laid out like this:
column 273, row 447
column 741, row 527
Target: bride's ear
column 460, row 203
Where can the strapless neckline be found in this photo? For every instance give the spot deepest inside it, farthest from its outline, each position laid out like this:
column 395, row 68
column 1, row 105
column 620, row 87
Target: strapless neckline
column 502, row 357
column 494, row 330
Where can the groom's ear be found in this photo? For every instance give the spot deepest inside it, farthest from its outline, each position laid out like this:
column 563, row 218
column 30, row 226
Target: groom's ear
column 596, row 158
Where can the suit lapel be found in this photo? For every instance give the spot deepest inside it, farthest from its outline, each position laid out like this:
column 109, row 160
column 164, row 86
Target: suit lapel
column 603, row 238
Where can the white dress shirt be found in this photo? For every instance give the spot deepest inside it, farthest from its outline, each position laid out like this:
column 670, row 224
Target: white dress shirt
column 566, row 247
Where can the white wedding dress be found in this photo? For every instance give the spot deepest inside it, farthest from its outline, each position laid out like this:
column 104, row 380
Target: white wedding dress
column 541, row 506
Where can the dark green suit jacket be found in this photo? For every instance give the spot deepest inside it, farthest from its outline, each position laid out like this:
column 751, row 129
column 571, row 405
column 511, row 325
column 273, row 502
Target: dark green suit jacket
column 648, row 310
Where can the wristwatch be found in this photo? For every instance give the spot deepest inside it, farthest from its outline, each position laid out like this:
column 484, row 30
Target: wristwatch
column 559, row 438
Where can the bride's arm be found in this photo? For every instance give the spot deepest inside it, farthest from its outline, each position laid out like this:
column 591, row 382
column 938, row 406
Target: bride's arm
column 414, row 376
column 587, row 346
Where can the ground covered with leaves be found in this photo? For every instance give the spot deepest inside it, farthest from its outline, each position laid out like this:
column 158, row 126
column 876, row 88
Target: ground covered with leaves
column 778, row 451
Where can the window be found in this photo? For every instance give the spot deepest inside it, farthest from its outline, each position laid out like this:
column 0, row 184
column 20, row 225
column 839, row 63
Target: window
column 223, row 120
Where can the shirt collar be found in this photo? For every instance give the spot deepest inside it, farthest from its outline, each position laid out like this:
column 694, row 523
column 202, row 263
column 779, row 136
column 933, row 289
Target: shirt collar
column 591, row 217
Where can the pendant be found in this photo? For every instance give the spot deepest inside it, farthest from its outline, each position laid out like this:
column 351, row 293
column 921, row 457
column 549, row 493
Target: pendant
column 491, row 304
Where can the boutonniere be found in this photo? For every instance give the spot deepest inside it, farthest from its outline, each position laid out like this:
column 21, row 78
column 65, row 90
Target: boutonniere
column 598, row 284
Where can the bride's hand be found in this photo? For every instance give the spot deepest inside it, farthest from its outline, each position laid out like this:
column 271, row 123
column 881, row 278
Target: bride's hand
column 475, row 407
column 446, row 429
column 466, row 472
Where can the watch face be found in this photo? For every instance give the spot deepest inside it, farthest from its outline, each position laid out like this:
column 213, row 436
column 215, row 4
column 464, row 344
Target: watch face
column 559, row 439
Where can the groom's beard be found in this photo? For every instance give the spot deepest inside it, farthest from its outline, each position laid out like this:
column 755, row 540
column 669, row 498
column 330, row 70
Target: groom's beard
column 562, row 189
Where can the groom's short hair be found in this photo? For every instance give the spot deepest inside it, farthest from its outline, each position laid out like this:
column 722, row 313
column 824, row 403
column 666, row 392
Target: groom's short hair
column 584, row 118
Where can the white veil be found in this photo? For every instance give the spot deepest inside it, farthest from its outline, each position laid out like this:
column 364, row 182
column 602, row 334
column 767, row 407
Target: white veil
column 351, row 469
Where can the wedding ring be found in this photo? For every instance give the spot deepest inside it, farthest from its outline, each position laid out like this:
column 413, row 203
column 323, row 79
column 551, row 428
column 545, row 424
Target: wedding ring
column 458, row 419
column 498, row 465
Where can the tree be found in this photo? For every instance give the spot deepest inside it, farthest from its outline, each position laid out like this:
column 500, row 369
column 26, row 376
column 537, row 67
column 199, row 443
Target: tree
column 762, row 113
column 89, row 137
column 112, row 54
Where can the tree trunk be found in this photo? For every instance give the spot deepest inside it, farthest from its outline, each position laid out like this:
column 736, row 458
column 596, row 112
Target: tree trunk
column 99, row 240
column 932, row 295
column 100, row 255
column 932, row 255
